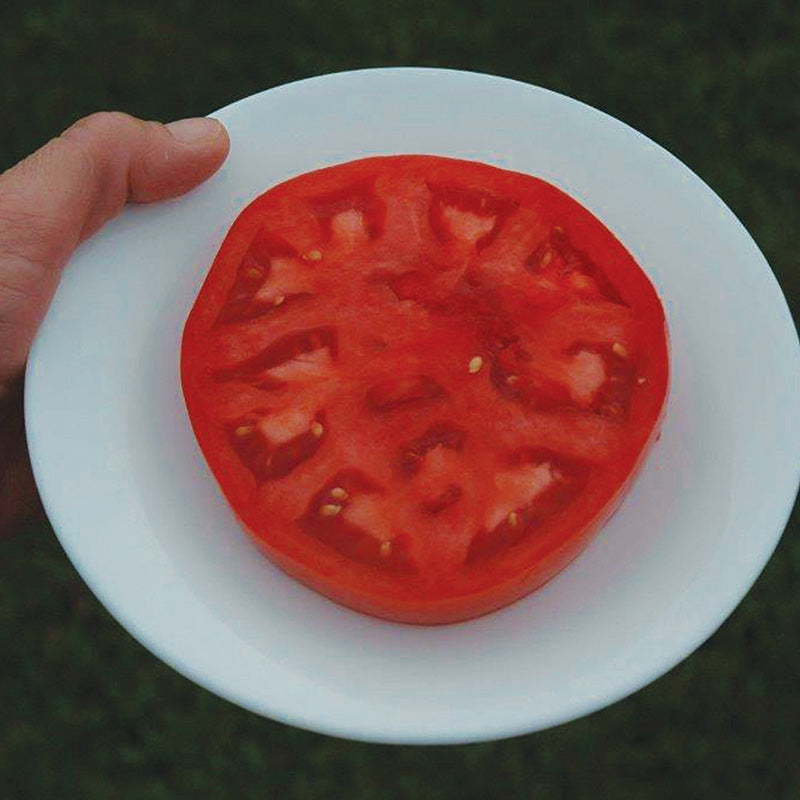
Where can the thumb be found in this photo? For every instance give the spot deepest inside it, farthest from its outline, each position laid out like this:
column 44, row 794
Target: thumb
column 64, row 192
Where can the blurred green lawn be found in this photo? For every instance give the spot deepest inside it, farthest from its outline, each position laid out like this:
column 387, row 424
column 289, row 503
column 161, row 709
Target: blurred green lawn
column 86, row 712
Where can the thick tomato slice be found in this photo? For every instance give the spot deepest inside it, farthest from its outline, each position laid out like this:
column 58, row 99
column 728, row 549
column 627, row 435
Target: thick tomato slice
column 423, row 383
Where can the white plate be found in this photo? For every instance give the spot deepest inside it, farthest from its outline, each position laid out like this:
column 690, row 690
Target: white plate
column 140, row 516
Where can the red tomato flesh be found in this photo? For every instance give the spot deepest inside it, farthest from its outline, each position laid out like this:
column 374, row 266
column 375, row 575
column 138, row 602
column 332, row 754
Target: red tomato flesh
column 423, row 384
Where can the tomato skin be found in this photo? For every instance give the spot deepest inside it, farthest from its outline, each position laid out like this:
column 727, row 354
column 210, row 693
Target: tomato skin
column 418, row 256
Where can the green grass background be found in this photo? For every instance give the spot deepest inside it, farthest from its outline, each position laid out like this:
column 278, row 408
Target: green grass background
column 86, row 712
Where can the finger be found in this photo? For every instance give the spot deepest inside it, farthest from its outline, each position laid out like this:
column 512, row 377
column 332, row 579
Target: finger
column 64, row 192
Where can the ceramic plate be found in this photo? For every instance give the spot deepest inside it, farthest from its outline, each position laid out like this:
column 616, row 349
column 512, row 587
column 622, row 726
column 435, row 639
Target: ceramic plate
column 141, row 518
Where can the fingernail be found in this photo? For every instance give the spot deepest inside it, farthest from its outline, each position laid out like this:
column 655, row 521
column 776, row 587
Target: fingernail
column 194, row 131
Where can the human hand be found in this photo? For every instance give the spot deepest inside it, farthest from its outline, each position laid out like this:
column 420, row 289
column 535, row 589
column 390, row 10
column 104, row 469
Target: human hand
column 50, row 203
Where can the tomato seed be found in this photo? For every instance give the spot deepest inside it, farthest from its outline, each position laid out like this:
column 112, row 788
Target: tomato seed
column 386, row 548
column 513, row 519
column 314, row 255
column 278, row 300
column 317, row 429
column 337, row 493
column 475, row 365
column 243, row 430
column 619, row 349
column 329, row 510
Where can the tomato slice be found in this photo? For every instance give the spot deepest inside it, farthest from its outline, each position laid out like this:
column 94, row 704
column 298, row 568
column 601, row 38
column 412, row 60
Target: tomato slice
column 422, row 383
